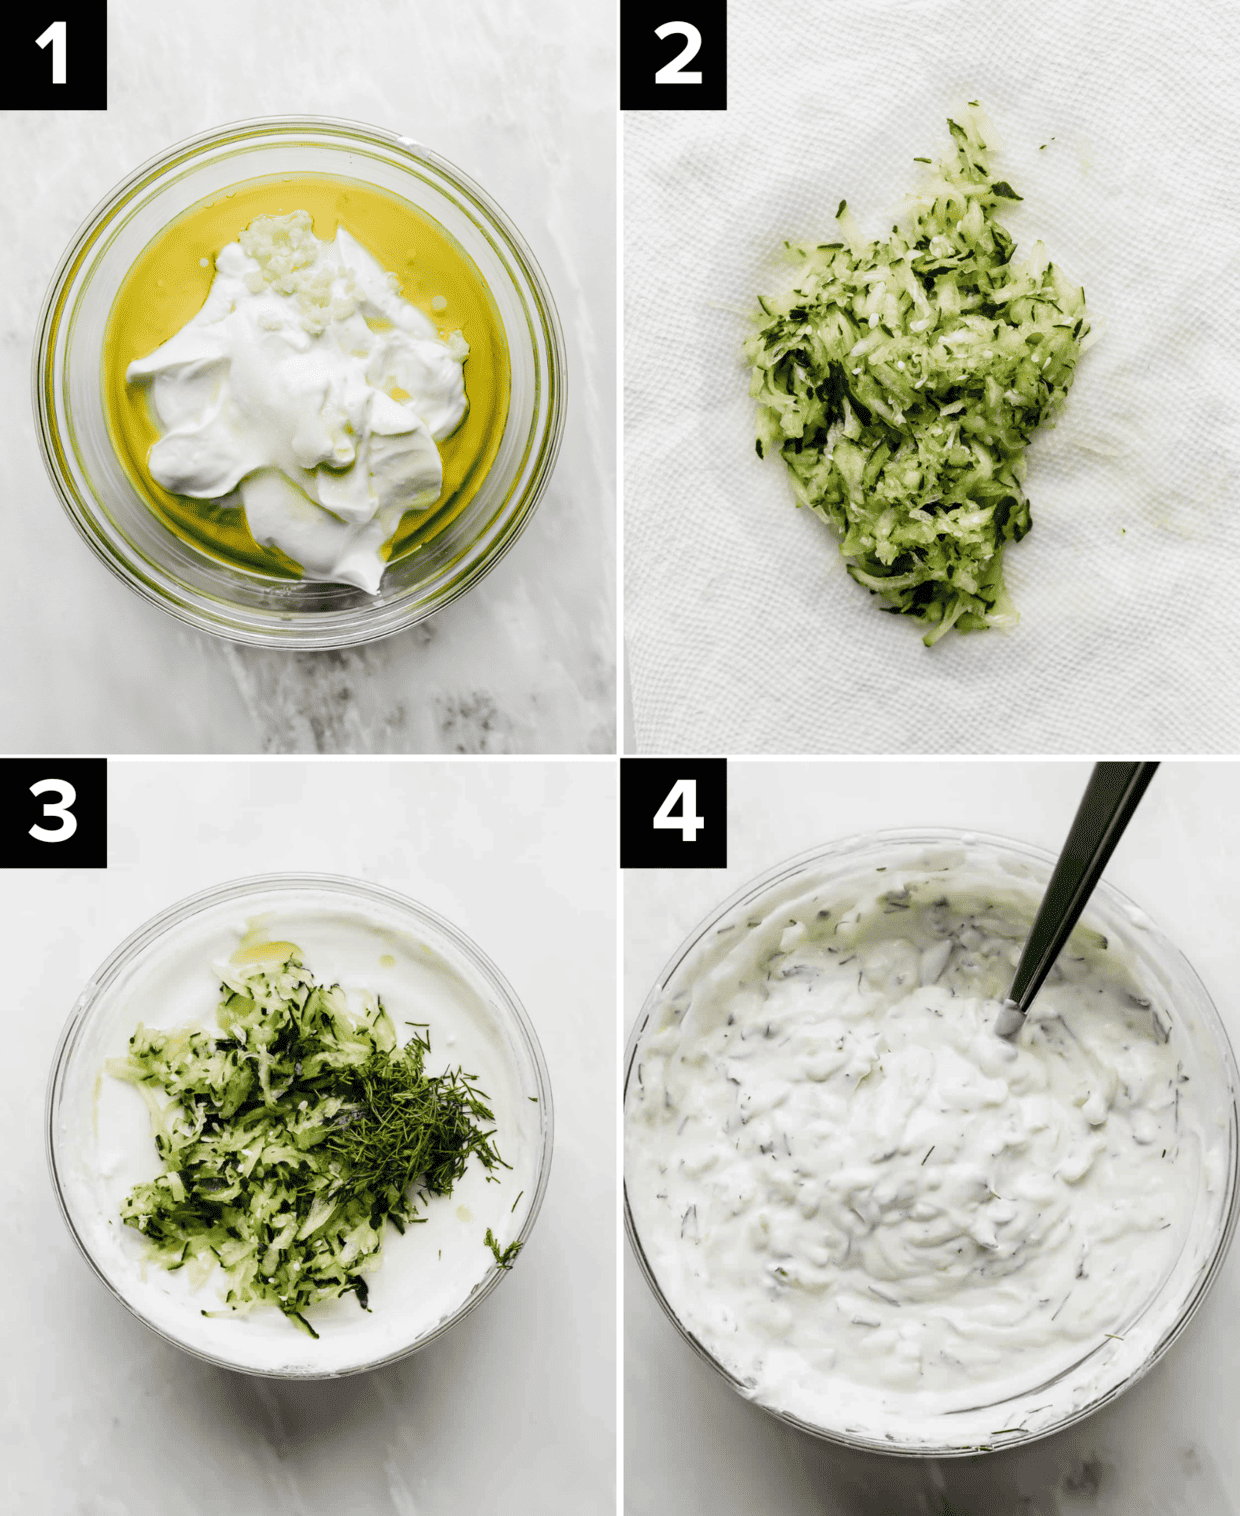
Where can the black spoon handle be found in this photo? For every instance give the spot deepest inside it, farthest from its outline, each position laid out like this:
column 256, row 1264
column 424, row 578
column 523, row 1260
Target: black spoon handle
column 1111, row 796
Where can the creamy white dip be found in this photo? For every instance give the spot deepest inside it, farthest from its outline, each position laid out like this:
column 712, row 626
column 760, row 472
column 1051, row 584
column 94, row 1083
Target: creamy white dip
column 105, row 1146
column 869, row 1208
column 307, row 385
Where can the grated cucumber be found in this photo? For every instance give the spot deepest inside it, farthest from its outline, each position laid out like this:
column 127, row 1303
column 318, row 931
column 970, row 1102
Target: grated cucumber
column 290, row 1139
column 901, row 381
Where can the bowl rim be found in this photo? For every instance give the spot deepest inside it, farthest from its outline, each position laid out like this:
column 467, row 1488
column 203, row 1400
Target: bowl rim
column 858, row 843
column 150, row 931
column 297, row 631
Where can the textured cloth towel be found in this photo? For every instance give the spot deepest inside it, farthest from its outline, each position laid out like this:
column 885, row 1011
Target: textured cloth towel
column 1119, row 124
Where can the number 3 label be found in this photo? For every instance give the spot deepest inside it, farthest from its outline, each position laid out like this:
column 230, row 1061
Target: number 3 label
column 57, row 810
column 673, row 72
column 57, row 800
column 689, row 823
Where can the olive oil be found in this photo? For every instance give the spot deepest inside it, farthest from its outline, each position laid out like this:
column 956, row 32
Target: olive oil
column 169, row 283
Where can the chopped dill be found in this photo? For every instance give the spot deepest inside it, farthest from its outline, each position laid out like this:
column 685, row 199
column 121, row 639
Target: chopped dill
column 502, row 1258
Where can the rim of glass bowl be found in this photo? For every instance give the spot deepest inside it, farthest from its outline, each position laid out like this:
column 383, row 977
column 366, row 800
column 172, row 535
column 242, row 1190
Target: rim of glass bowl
column 277, row 624
column 355, row 890
column 859, row 844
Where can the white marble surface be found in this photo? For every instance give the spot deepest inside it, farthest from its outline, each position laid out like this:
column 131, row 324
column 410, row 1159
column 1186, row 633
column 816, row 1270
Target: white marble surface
column 513, row 1409
column 1168, row 1447
column 523, row 99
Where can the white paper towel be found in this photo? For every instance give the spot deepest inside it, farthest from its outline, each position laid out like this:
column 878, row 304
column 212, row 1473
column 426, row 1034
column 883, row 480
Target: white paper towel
column 744, row 632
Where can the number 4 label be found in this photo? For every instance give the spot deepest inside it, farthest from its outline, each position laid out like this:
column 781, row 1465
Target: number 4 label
column 683, row 794
column 666, row 803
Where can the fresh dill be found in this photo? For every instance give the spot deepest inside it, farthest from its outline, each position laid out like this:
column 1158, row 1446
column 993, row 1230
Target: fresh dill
column 504, row 1256
column 404, row 1127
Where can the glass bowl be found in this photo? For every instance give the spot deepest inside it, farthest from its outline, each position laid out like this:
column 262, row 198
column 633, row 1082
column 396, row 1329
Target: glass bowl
column 1108, row 1363
column 121, row 527
column 363, row 936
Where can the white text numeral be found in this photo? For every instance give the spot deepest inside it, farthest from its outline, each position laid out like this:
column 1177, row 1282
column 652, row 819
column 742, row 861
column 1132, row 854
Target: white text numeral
column 673, row 72
column 56, row 810
column 55, row 34
column 688, row 823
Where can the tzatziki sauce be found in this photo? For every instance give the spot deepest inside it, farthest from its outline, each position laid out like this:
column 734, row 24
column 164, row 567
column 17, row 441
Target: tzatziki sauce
column 868, row 1208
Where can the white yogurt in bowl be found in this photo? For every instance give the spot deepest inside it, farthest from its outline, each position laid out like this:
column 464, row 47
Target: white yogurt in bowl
column 365, row 939
column 333, row 605
column 875, row 1217
column 275, row 390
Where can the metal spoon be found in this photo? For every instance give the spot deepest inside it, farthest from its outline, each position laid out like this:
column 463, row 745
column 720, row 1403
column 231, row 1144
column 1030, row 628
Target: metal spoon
column 1110, row 798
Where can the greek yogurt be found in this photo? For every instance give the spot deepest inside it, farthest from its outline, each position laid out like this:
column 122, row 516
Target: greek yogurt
column 102, row 1138
column 309, row 392
column 873, row 1212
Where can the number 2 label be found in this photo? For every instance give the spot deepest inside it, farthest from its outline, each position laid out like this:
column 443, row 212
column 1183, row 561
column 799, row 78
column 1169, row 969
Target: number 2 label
column 674, row 72
column 670, row 42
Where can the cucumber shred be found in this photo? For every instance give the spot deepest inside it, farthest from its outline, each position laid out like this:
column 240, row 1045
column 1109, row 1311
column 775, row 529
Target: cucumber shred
column 288, row 1140
column 901, row 380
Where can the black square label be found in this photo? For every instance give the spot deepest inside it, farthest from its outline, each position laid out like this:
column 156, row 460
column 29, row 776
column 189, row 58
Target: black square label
column 57, row 810
column 673, row 55
column 58, row 57
column 673, row 813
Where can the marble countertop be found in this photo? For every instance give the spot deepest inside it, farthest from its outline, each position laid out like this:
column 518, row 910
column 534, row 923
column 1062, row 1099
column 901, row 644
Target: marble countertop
column 1168, row 1446
column 103, row 1417
column 522, row 99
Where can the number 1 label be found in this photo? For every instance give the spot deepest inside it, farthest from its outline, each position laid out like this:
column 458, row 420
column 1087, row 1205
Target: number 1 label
column 37, row 76
column 55, row 35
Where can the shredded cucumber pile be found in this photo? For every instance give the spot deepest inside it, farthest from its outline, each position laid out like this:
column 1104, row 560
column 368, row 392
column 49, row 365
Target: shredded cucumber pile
column 902, row 380
column 288, row 1140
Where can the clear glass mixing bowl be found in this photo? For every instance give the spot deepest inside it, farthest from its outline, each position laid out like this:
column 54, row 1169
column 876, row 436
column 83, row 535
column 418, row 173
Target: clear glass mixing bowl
column 120, row 526
column 1108, row 1366
column 145, row 979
